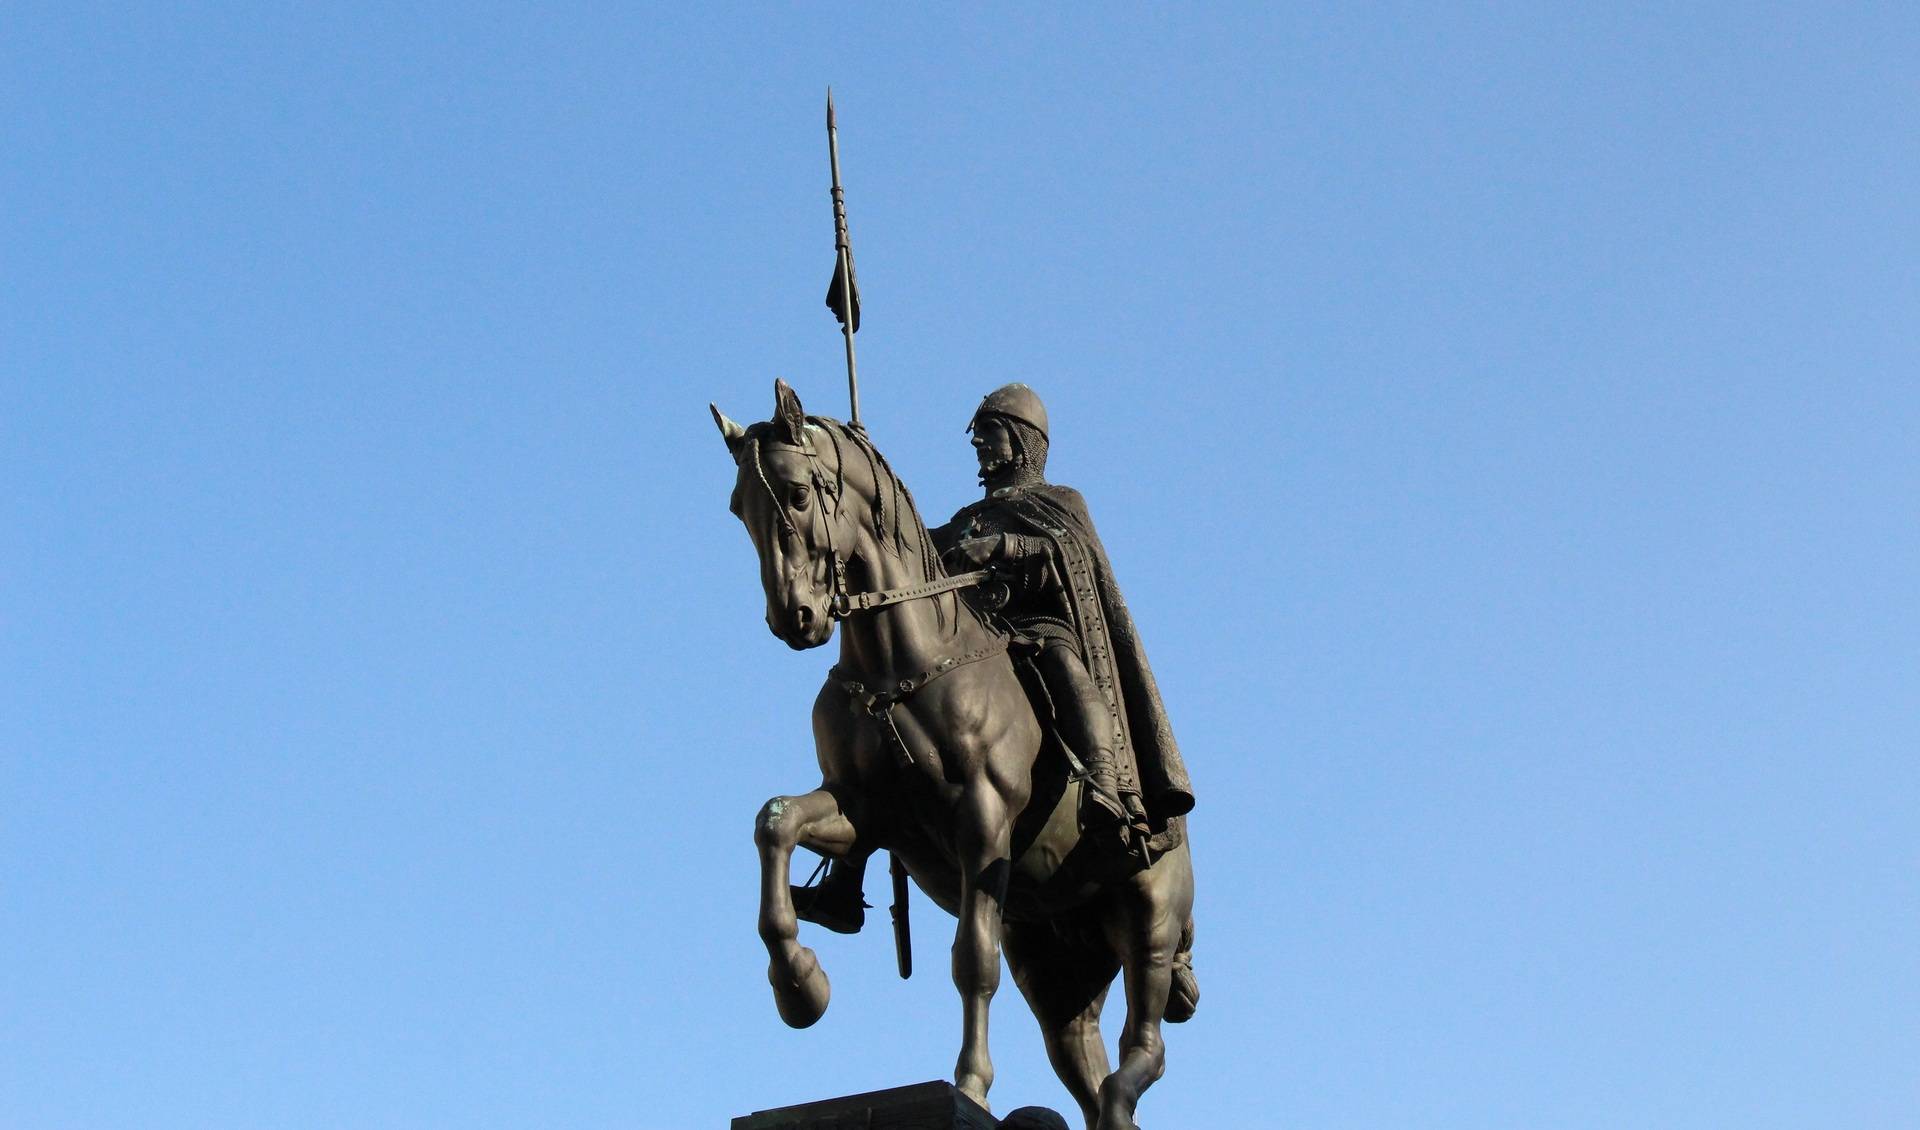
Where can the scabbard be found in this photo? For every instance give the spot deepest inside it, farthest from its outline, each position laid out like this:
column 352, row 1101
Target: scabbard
column 902, row 933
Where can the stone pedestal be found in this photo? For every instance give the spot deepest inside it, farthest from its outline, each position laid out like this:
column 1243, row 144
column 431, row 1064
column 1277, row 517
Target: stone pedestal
column 922, row 1106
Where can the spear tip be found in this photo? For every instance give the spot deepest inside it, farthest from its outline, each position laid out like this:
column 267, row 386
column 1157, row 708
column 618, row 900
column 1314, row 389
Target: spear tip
column 829, row 107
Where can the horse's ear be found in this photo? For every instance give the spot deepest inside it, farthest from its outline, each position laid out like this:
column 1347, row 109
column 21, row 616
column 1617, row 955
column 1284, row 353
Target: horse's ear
column 733, row 433
column 788, row 416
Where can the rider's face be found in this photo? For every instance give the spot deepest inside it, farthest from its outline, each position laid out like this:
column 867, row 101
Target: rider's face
column 993, row 446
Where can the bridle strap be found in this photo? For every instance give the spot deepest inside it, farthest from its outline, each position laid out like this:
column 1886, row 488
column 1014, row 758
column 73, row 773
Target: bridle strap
column 846, row 604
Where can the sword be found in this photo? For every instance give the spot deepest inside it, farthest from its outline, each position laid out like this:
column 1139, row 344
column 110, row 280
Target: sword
column 902, row 936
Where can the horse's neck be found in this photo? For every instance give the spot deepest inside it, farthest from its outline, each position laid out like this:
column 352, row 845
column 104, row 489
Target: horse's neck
column 902, row 640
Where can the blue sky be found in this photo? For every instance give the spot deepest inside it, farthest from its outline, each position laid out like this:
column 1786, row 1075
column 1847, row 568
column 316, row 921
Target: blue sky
column 1502, row 418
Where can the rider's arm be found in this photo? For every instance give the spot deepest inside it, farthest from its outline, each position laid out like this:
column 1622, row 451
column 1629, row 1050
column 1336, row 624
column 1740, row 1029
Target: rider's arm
column 947, row 536
column 1029, row 560
column 1020, row 547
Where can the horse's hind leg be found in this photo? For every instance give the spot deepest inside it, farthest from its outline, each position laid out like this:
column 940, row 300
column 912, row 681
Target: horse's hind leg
column 1146, row 929
column 800, row 988
column 1065, row 984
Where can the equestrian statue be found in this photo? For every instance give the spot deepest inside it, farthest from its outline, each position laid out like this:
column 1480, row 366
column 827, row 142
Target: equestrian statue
column 991, row 722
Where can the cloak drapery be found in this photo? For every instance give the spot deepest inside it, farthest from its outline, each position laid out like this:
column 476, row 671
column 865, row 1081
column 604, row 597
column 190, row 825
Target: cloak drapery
column 1109, row 643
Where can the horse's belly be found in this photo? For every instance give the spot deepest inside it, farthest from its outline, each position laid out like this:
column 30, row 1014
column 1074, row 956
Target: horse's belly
column 1053, row 873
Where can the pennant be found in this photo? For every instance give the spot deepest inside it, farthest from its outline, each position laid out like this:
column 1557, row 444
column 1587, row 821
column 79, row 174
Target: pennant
column 837, row 293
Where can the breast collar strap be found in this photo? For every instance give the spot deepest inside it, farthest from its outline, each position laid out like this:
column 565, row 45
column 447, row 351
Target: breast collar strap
column 878, row 704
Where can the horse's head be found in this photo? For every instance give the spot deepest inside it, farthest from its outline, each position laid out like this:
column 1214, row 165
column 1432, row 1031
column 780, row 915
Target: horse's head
column 789, row 492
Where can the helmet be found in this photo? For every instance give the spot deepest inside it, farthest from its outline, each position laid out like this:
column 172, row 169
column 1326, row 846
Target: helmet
column 1014, row 401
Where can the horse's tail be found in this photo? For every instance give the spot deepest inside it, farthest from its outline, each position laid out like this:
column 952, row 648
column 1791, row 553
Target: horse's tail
column 1184, row 995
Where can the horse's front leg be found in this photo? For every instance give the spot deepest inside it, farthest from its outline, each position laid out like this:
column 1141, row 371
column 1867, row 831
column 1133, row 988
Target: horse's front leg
column 800, row 988
column 985, row 835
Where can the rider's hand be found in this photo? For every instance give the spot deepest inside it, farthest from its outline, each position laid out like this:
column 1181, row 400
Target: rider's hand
column 973, row 553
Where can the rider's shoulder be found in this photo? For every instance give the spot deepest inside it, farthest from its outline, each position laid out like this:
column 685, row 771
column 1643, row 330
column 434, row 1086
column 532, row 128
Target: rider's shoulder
column 1066, row 498
column 1066, row 494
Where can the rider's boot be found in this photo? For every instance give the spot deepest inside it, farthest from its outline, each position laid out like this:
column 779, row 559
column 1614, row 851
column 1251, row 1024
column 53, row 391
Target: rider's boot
column 1100, row 805
column 838, row 903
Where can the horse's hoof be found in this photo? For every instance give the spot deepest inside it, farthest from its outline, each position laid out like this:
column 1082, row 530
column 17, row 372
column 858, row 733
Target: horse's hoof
column 800, row 990
column 1183, row 997
column 1033, row 1118
column 1115, row 1113
column 974, row 1087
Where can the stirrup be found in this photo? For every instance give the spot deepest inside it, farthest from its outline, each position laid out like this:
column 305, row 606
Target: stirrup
column 835, row 911
column 839, row 906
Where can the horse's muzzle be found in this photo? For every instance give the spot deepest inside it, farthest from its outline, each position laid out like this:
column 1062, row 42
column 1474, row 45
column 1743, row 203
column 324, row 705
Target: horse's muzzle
column 802, row 628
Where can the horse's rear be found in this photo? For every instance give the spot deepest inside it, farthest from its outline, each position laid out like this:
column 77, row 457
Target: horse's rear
column 1139, row 925
column 1075, row 910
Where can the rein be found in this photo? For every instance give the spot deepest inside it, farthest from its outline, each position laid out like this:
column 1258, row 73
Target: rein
column 846, row 604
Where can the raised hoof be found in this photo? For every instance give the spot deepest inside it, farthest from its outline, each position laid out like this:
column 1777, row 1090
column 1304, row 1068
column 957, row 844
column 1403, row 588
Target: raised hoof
column 800, row 991
column 1183, row 996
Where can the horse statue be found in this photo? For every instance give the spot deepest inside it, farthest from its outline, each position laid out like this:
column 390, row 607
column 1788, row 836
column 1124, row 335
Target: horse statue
column 930, row 748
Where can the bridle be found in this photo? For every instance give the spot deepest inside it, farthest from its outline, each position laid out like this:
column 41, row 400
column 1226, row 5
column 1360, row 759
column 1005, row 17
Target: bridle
column 876, row 702
column 841, row 603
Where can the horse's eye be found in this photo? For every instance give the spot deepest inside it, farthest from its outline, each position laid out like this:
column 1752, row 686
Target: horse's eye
column 801, row 495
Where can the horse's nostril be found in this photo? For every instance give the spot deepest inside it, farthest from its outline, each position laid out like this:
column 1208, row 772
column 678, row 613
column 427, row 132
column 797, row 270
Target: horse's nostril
column 803, row 617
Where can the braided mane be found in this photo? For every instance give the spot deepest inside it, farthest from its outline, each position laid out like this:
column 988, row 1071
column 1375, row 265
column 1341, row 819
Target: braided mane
column 895, row 518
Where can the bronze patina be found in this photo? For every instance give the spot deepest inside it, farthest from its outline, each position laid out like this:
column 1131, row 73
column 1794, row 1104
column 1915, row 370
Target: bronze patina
column 932, row 747
column 992, row 723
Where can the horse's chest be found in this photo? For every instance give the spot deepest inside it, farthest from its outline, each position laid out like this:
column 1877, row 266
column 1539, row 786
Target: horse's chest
column 907, row 752
column 889, row 749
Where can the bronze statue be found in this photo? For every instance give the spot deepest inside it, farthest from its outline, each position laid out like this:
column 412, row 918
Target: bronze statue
column 997, row 730
column 1007, row 746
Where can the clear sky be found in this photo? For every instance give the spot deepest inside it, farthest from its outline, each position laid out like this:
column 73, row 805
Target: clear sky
column 1502, row 418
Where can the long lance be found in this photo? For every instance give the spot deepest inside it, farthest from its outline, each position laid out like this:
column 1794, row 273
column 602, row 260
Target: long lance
column 842, row 294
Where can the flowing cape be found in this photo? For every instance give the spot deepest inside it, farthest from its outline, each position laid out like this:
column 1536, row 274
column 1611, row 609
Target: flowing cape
column 1109, row 643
